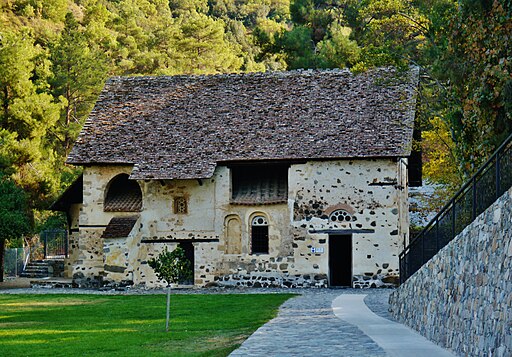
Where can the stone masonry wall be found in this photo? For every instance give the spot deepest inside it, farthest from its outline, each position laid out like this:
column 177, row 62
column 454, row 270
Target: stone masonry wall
column 372, row 191
column 462, row 298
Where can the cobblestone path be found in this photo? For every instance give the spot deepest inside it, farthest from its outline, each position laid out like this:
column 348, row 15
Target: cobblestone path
column 307, row 326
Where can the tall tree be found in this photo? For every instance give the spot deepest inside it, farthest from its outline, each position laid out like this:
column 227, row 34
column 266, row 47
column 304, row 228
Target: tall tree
column 467, row 80
column 14, row 221
column 477, row 67
column 204, row 48
column 28, row 114
column 79, row 73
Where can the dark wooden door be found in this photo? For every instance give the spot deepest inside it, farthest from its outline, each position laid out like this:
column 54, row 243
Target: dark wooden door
column 340, row 260
column 188, row 247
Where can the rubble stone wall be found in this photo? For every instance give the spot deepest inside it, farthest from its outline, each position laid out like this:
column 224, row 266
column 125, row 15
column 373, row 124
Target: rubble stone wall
column 374, row 192
column 461, row 298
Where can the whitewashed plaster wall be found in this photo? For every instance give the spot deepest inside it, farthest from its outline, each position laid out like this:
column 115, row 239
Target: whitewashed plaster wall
column 89, row 260
column 373, row 190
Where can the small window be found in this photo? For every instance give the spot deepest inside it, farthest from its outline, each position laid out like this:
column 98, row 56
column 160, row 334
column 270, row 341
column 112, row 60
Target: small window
column 180, row 205
column 259, row 235
column 340, row 215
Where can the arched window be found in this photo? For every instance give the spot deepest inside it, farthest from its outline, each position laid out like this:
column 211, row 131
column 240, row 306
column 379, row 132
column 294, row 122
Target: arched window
column 340, row 215
column 123, row 195
column 259, row 235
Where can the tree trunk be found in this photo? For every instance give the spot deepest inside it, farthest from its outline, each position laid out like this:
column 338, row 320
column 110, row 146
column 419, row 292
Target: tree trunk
column 168, row 308
column 5, row 105
column 2, row 253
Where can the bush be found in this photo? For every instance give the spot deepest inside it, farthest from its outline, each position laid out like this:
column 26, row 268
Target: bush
column 173, row 267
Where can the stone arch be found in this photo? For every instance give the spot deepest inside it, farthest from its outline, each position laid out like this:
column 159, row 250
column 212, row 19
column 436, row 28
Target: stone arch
column 122, row 195
column 340, row 206
column 233, row 234
column 340, row 215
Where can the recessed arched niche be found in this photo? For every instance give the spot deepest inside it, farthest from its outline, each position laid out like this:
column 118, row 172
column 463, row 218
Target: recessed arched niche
column 233, row 235
column 123, row 195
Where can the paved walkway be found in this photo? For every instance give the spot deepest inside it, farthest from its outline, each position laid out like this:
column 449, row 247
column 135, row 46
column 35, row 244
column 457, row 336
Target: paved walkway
column 396, row 339
column 337, row 323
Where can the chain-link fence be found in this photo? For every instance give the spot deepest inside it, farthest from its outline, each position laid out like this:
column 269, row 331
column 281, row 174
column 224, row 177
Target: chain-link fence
column 14, row 261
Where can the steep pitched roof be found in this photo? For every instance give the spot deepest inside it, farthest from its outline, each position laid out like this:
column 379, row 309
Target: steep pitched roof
column 180, row 127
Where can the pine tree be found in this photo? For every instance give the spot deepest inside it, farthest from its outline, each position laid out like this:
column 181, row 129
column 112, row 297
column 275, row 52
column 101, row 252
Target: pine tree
column 203, row 47
column 28, row 115
column 79, row 73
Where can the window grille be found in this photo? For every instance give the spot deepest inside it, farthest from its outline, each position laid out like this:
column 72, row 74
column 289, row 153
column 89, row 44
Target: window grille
column 259, row 235
column 340, row 215
column 180, row 205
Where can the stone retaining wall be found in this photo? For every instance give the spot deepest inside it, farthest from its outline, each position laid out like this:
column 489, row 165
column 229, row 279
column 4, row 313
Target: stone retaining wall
column 462, row 298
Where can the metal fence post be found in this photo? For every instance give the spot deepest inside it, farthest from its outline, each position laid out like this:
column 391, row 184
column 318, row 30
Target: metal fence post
column 45, row 245
column 453, row 217
column 437, row 237
column 498, row 177
column 66, row 244
column 422, row 250
column 473, row 203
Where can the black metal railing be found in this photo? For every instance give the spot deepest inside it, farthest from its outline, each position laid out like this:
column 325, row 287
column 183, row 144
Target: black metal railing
column 55, row 242
column 485, row 187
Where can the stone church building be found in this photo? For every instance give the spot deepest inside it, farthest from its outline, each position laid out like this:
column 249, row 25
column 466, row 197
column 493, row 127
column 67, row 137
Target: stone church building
column 291, row 179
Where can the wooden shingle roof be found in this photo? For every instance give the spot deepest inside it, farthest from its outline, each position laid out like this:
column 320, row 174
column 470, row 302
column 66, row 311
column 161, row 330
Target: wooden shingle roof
column 119, row 227
column 180, row 127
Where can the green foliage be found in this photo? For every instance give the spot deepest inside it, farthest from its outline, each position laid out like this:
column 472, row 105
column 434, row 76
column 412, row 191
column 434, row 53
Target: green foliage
column 47, row 220
column 78, row 75
column 298, row 47
column 467, row 71
column 27, row 117
column 56, row 54
column 172, row 267
column 14, row 219
column 338, row 50
column 203, row 47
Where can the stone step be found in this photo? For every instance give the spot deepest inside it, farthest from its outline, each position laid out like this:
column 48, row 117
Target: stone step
column 35, row 269
column 38, row 264
column 33, row 275
column 27, row 274
column 43, row 268
column 52, row 283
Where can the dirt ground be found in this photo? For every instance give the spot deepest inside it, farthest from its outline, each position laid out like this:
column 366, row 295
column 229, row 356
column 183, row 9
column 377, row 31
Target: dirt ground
column 15, row 283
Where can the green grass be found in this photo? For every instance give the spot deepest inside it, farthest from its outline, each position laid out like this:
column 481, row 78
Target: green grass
column 97, row 325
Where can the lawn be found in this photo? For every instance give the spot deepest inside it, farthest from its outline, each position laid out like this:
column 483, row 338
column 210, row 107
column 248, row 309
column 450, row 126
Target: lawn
column 130, row 325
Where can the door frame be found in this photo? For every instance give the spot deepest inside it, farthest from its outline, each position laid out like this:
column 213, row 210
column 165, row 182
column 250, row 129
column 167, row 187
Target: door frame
column 351, row 255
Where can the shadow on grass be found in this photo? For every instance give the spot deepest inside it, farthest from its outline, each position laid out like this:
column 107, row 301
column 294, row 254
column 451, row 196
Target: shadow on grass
column 92, row 325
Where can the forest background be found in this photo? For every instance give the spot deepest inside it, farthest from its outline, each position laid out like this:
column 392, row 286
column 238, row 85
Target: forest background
column 55, row 56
